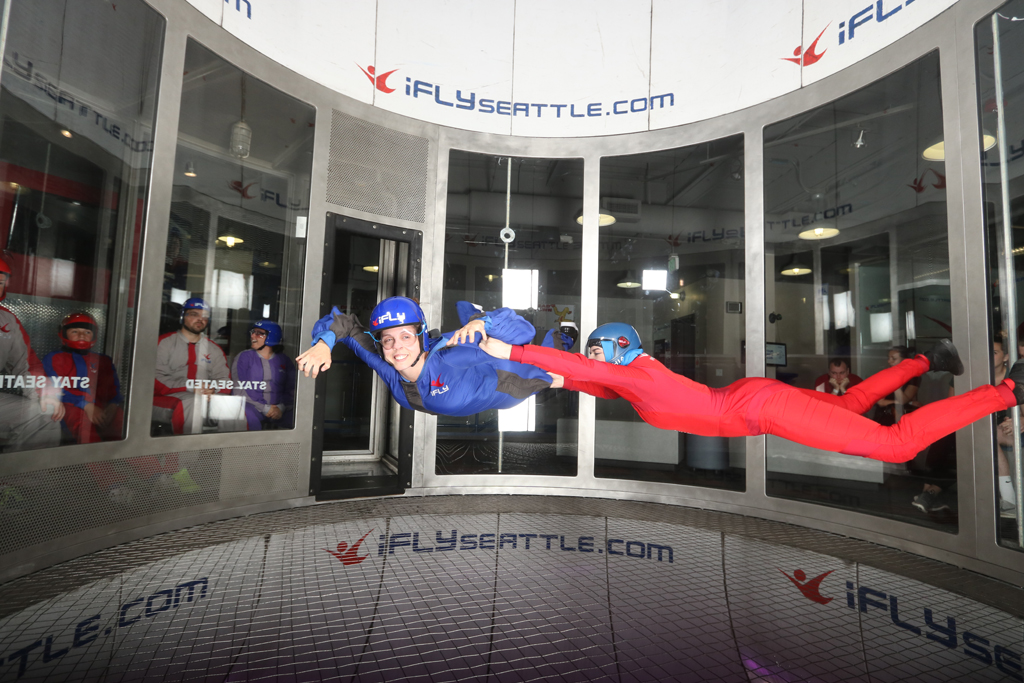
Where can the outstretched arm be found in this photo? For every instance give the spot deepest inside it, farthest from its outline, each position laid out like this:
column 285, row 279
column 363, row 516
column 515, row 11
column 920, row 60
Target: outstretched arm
column 503, row 323
column 580, row 374
column 326, row 332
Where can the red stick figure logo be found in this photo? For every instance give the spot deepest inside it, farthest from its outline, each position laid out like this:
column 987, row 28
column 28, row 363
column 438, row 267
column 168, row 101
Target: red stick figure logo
column 809, row 587
column 437, row 382
column 380, row 82
column 919, row 186
column 4, row 328
column 810, row 57
column 348, row 555
column 243, row 190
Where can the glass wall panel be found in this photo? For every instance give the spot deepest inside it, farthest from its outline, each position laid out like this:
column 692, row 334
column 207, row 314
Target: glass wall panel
column 232, row 291
column 672, row 266
column 77, row 106
column 999, row 41
column 537, row 275
column 857, row 277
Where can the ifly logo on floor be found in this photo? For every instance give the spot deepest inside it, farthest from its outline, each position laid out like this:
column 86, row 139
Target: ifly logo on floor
column 445, row 541
column 61, row 641
column 977, row 647
column 849, row 29
column 469, row 101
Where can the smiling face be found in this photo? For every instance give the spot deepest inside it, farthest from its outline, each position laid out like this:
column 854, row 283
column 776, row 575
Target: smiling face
column 401, row 346
column 257, row 338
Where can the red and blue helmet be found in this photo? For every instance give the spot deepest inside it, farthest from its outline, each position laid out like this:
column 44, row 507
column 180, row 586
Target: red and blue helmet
column 194, row 304
column 619, row 341
column 396, row 311
column 78, row 321
column 273, row 330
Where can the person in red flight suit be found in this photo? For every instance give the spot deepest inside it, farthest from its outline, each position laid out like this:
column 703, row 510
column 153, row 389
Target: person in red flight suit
column 189, row 368
column 616, row 367
column 91, row 391
column 31, row 419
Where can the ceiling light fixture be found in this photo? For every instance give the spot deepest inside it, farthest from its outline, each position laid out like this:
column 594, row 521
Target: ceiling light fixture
column 818, row 233
column 603, row 219
column 371, row 269
column 795, row 268
column 937, row 150
column 630, row 281
column 66, row 133
column 230, row 240
column 190, row 169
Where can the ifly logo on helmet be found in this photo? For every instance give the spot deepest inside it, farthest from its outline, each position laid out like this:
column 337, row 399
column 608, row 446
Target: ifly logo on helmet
column 398, row 318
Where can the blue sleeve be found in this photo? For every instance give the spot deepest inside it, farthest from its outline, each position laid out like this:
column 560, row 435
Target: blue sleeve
column 508, row 326
column 549, row 339
column 376, row 363
column 322, row 329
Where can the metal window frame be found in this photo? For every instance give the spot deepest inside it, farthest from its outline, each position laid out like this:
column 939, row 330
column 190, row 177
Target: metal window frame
column 951, row 33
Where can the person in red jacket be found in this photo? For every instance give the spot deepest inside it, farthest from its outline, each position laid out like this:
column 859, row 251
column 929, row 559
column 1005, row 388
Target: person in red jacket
column 91, row 391
column 617, row 367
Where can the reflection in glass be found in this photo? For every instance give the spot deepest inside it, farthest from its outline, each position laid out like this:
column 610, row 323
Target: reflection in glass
column 999, row 41
column 75, row 154
column 672, row 266
column 538, row 276
column 857, row 273
column 235, row 252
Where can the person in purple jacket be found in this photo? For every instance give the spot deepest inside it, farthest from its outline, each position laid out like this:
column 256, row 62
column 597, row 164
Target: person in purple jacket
column 266, row 379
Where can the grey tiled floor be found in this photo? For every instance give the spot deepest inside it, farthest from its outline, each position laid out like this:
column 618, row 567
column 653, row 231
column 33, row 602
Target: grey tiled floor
column 506, row 588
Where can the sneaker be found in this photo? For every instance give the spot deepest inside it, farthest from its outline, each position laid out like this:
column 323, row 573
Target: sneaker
column 944, row 357
column 1007, row 509
column 926, row 501
column 186, row 484
column 1016, row 374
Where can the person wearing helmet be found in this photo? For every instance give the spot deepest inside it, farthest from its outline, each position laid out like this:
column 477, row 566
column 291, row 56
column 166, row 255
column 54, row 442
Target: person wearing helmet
column 31, row 419
column 91, row 392
column 444, row 375
column 617, row 367
column 189, row 366
column 265, row 378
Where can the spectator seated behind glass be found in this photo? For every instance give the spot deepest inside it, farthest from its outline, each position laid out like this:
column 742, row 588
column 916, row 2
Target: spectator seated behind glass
column 839, row 379
column 191, row 372
column 91, row 392
column 890, row 409
column 30, row 407
column 265, row 377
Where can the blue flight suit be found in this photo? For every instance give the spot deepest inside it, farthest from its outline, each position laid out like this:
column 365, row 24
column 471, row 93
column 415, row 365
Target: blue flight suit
column 457, row 381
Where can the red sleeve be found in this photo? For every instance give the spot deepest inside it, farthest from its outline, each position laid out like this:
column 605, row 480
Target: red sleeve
column 625, row 381
column 589, row 388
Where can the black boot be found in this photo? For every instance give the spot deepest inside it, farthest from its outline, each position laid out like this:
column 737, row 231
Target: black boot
column 1017, row 375
column 943, row 357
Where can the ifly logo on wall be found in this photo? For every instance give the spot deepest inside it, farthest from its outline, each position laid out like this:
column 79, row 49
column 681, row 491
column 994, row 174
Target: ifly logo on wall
column 469, row 101
column 945, row 631
column 849, row 29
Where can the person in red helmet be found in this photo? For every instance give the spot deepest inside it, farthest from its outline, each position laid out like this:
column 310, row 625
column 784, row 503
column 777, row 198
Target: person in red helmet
column 91, row 392
column 29, row 420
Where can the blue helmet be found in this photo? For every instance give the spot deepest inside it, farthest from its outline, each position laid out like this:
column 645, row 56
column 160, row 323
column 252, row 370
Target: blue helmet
column 193, row 304
column 619, row 341
column 273, row 330
column 396, row 311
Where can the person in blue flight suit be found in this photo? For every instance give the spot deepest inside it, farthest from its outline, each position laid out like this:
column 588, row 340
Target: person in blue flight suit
column 445, row 375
